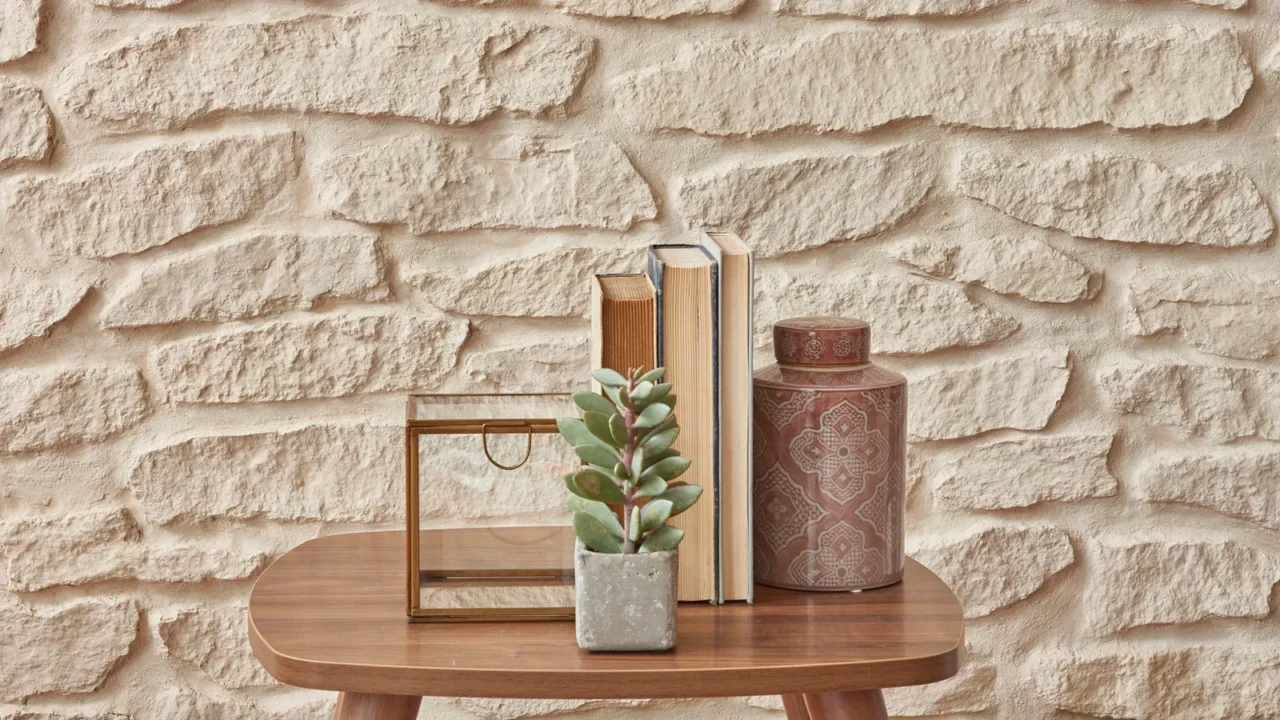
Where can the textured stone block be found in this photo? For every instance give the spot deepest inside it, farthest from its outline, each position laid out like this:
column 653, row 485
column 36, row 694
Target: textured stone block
column 247, row 277
column 102, row 545
column 648, row 9
column 910, row 315
column 1239, row 484
column 26, row 126
column 792, row 204
column 533, row 367
column 434, row 185
column 886, row 8
column 546, row 283
column 1026, row 471
column 216, row 640
column 1019, row 392
column 1056, row 76
column 112, row 209
column 1230, row 313
column 19, row 28
column 993, row 567
column 322, row 357
column 1125, row 199
column 972, row 690
column 1018, row 266
column 65, row 406
column 1160, row 581
column 67, row 649
column 35, row 297
column 1218, row 403
column 435, row 69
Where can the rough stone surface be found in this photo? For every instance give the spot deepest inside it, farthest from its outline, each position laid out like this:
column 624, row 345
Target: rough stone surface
column 1019, row 266
column 1126, row 199
column 885, row 8
column 515, row 709
column 994, row 567
column 321, row 357
column 1061, row 76
column 793, row 204
column 444, row 186
column 69, row 649
column 147, row 4
column 342, row 473
column 19, row 28
column 33, row 298
column 548, row 283
column 1026, row 471
column 434, row 69
column 1020, row 392
column 536, row 367
column 102, row 545
column 26, row 126
column 650, row 9
column 248, row 277
column 643, row 584
column 1161, row 581
column 1239, row 484
column 1217, row 403
column 912, row 315
column 216, row 640
column 1191, row 683
column 971, row 690
column 112, row 209
column 66, row 406
column 1195, row 305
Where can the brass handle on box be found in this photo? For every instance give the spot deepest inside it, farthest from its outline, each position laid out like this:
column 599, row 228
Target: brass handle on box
column 528, row 449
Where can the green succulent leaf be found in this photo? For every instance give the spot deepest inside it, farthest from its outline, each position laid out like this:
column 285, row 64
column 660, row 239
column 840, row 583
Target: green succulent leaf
column 664, row 538
column 597, row 454
column 598, row 425
column 570, row 485
column 661, row 440
column 609, row 378
column 653, row 415
column 654, row 514
column 618, row 428
column 636, row 520
column 624, row 397
column 612, row 392
column 650, row 485
column 653, row 375
column 576, row 432
column 669, row 469
column 660, row 393
column 637, row 463
column 682, row 496
column 670, row 401
column 594, row 534
column 593, row 401
column 597, row 510
column 641, row 391
column 595, row 485
column 620, row 471
column 654, row 457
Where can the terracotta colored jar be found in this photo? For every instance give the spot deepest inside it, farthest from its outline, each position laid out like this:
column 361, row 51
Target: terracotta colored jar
column 830, row 445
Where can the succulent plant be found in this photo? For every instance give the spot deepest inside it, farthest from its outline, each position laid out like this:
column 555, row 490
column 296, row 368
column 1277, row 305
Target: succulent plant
column 625, row 440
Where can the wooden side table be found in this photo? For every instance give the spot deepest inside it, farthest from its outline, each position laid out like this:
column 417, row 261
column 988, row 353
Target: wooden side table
column 330, row 615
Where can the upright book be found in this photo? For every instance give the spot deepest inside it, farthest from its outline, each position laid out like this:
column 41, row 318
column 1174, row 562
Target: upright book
column 623, row 323
column 737, row 270
column 686, row 280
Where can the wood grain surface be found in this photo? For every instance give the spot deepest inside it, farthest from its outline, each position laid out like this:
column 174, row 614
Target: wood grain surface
column 330, row 615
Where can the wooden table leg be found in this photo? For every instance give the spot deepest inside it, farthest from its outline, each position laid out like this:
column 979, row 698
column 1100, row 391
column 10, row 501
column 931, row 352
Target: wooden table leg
column 359, row 706
column 860, row 705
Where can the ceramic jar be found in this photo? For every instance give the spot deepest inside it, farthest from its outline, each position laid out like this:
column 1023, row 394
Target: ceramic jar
column 829, row 465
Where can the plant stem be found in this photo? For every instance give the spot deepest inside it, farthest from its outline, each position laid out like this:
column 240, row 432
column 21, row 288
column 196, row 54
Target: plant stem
column 629, row 491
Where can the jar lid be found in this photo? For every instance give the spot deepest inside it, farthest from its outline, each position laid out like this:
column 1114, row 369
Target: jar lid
column 822, row 341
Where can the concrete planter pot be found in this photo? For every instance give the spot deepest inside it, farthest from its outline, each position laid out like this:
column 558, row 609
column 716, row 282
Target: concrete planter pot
column 626, row 603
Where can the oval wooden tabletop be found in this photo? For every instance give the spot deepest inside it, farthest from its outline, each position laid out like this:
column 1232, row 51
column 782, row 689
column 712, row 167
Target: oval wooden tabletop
column 330, row 615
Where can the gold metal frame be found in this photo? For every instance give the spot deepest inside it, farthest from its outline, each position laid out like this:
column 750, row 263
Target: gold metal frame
column 413, row 430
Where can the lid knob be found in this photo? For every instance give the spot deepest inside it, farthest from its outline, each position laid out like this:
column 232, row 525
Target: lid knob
column 822, row 341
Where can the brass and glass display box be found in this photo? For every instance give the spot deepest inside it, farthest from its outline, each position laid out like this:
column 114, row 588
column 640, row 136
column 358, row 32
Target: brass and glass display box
column 488, row 534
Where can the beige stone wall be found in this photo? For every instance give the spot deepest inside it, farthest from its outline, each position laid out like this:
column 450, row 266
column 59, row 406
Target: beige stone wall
column 236, row 231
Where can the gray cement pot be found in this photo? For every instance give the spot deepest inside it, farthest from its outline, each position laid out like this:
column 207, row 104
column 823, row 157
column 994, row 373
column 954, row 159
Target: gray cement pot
column 626, row 603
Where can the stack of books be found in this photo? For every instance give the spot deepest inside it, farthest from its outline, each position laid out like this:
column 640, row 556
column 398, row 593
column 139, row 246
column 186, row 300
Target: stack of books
column 692, row 314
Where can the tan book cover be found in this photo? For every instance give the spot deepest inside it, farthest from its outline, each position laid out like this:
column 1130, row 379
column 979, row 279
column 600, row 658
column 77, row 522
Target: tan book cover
column 623, row 323
column 736, row 345
column 684, row 278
